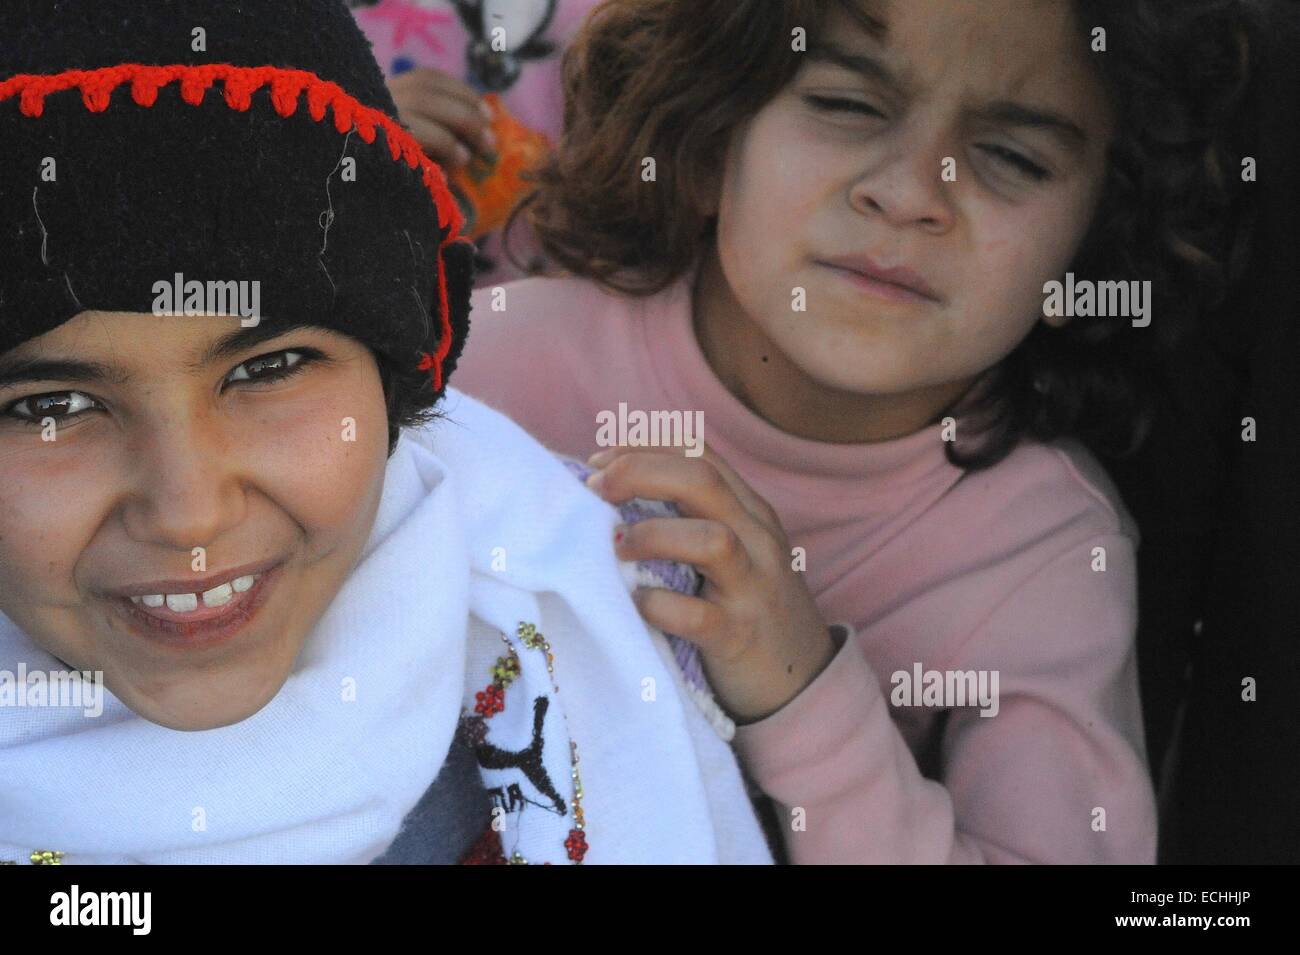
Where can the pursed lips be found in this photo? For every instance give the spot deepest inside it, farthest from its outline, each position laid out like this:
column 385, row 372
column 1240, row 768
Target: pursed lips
column 899, row 277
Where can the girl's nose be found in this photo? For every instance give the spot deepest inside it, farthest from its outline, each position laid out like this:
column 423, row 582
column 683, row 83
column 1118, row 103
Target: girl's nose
column 187, row 489
column 904, row 185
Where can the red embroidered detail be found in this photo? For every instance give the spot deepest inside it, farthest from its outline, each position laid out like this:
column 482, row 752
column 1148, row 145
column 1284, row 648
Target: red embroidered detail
column 486, row 851
column 528, row 761
column 576, row 844
column 240, row 83
column 490, row 701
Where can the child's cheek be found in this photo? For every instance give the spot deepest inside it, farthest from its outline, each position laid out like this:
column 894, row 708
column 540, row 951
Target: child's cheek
column 1014, row 267
column 51, row 502
column 320, row 458
column 1021, row 248
column 774, row 171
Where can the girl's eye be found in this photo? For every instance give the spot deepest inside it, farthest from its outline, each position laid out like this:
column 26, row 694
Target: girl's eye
column 69, row 405
column 1017, row 162
column 59, row 405
column 272, row 367
column 835, row 104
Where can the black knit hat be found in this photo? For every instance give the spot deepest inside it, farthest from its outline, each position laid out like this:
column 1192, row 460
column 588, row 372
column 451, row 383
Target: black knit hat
column 210, row 139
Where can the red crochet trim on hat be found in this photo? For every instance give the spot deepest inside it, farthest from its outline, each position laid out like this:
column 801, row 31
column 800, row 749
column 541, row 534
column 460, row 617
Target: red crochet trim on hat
column 240, row 83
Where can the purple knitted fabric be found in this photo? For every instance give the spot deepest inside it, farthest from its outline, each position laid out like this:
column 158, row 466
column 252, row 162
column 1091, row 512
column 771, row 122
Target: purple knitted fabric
column 668, row 574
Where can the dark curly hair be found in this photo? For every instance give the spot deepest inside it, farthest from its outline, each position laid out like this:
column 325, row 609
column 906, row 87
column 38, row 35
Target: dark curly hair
column 672, row 78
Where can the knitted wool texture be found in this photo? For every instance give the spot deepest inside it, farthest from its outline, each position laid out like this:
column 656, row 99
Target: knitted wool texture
column 130, row 156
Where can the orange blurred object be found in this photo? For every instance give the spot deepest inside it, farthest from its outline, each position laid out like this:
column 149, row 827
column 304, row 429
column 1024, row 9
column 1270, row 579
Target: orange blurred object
column 493, row 182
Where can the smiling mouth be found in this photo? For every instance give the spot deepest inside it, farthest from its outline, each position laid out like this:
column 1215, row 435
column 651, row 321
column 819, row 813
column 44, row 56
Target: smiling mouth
column 199, row 618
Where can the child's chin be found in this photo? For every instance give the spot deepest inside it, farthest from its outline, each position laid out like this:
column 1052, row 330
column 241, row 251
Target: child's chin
column 207, row 720
column 206, row 702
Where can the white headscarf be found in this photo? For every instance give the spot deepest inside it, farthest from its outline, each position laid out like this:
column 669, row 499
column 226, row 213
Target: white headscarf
column 479, row 530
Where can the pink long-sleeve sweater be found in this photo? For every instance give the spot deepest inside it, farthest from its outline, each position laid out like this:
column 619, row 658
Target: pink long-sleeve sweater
column 1000, row 570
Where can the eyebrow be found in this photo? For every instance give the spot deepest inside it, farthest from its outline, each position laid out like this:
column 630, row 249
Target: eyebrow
column 860, row 63
column 15, row 371
column 1002, row 112
column 1007, row 113
column 244, row 338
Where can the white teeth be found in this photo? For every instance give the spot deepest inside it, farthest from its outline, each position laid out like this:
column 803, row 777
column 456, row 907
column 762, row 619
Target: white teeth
column 185, row 603
column 182, row 603
column 218, row 595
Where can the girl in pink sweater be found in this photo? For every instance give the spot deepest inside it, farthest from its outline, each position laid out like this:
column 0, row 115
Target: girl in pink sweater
column 907, row 267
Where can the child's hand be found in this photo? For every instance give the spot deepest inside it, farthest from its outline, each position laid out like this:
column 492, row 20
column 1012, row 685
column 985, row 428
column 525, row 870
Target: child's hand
column 446, row 117
column 760, row 634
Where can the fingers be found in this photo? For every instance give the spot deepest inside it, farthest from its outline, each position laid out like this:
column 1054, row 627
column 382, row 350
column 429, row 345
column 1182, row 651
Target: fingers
column 754, row 502
column 695, row 486
column 437, row 141
column 691, row 618
column 447, row 117
column 715, row 549
column 691, row 469
column 435, row 86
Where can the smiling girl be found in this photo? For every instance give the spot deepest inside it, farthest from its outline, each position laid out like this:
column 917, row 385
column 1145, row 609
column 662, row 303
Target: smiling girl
column 829, row 227
column 331, row 621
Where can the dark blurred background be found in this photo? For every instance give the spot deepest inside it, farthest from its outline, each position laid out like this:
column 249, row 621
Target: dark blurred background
column 1219, row 563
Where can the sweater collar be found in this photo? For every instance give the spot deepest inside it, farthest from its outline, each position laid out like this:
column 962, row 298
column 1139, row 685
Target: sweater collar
column 682, row 370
